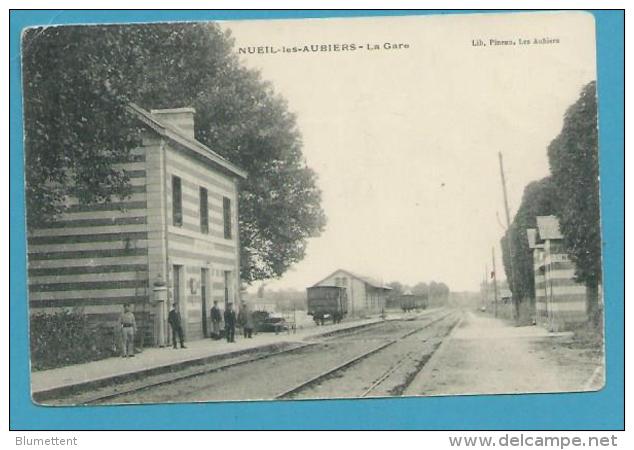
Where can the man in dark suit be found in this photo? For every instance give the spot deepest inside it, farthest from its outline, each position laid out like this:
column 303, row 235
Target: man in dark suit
column 216, row 318
column 174, row 319
column 230, row 323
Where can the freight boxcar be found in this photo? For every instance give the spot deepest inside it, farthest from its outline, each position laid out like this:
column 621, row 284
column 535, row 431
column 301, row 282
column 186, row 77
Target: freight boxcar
column 327, row 302
column 410, row 302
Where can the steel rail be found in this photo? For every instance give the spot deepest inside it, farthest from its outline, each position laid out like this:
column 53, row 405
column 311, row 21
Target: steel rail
column 392, row 369
column 327, row 373
column 385, row 376
column 206, row 371
column 162, row 382
column 135, row 389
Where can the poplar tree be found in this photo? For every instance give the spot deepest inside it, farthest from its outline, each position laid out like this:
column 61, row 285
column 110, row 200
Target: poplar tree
column 574, row 164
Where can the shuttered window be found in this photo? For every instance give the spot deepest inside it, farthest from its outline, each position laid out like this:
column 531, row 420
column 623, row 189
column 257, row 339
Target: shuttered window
column 204, row 211
column 226, row 209
column 177, row 202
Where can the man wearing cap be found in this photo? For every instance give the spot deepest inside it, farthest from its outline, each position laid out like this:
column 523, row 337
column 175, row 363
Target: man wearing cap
column 230, row 323
column 174, row 319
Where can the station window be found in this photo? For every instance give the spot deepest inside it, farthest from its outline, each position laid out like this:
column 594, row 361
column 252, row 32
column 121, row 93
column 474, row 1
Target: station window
column 204, row 211
column 226, row 211
column 177, row 202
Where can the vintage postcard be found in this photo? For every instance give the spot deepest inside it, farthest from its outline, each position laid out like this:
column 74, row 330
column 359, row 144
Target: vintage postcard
column 313, row 208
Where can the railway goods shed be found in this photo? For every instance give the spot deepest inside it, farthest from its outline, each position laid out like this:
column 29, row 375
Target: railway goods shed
column 365, row 295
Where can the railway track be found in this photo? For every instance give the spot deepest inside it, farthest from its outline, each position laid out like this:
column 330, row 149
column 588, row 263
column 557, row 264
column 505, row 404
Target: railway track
column 327, row 374
column 379, row 381
column 209, row 370
column 113, row 393
column 408, row 357
column 109, row 395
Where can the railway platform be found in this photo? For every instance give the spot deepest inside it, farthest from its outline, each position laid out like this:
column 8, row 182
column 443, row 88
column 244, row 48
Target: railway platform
column 51, row 382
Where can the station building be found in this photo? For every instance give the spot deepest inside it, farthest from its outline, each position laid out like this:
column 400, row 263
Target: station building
column 560, row 301
column 179, row 229
column 365, row 295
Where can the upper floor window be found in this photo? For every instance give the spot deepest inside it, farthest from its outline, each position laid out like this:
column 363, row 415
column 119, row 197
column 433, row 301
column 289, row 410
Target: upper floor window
column 177, row 202
column 226, row 211
column 204, row 211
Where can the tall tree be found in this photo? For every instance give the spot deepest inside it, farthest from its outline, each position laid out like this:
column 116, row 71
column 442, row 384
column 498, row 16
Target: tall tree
column 397, row 288
column 77, row 83
column 574, row 164
column 539, row 199
column 421, row 289
column 438, row 292
column 76, row 128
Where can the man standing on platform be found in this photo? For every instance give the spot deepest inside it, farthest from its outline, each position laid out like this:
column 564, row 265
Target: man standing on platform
column 128, row 330
column 245, row 319
column 230, row 323
column 174, row 319
column 216, row 318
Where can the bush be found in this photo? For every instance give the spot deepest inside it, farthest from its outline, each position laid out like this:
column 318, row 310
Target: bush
column 506, row 311
column 65, row 338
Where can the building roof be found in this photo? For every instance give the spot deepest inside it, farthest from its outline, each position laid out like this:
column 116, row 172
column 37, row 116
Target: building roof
column 175, row 135
column 367, row 280
column 548, row 227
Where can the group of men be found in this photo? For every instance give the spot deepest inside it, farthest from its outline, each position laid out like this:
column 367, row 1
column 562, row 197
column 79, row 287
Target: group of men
column 243, row 319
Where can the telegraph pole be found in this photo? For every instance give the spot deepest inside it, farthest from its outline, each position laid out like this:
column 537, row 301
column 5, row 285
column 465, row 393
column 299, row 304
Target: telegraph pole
column 495, row 284
column 509, row 240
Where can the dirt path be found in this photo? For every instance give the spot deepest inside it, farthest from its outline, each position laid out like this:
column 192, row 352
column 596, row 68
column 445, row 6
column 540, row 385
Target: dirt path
column 487, row 356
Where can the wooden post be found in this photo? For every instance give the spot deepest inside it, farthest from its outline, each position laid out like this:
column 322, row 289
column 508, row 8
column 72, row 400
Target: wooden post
column 511, row 277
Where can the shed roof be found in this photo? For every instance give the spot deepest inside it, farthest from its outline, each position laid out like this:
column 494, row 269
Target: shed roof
column 548, row 227
column 367, row 280
column 177, row 136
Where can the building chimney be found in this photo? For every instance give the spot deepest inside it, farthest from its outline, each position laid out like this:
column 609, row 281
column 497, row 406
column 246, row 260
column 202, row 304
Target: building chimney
column 180, row 118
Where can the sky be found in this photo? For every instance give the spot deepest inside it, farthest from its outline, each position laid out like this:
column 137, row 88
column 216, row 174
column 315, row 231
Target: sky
column 405, row 141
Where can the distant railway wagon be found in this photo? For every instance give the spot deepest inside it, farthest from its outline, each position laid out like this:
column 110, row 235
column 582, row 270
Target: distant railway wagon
column 327, row 302
column 410, row 302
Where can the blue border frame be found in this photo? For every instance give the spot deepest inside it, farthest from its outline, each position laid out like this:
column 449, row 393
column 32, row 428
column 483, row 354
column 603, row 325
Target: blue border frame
column 603, row 410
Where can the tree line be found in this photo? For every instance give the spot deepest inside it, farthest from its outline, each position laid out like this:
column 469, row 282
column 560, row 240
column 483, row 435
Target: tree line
column 571, row 193
column 434, row 290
